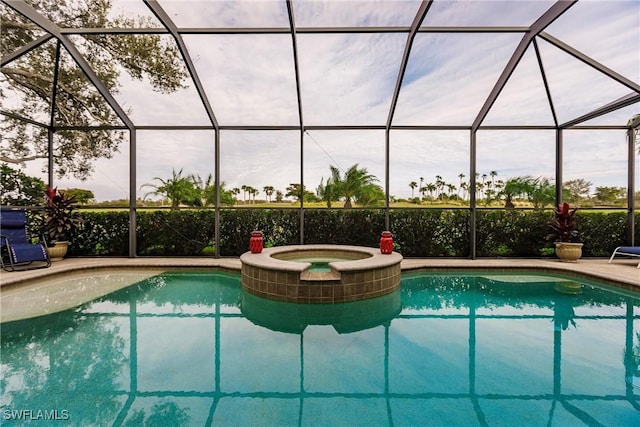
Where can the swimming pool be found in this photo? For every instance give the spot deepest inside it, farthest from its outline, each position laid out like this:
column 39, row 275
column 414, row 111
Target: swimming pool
column 191, row 348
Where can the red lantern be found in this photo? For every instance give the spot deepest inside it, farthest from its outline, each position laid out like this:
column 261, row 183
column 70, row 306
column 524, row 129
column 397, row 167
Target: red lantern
column 256, row 242
column 386, row 242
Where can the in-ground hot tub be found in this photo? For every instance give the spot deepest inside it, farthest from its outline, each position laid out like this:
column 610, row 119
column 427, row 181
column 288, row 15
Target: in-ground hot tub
column 298, row 273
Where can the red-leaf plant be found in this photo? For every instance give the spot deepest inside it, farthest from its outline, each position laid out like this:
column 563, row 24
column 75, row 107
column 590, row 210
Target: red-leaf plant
column 563, row 226
column 62, row 219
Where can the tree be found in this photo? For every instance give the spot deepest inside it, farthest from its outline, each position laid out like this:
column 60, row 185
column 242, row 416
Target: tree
column 327, row 192
column 370, row 195
column 205, row 192
column 80, row 195
column 451, row 189
column 461, row 186
column 235, row 191
column 515, row 187
column 439, row 186
column 357, row 185
column 253, row 192
column 431, row 189
column 178, row 189
column 413, row 186
column 576, row 190
column 296, row 190
column 542, row 193
column 269, row 190
column 20, row 189
column 608, row 195
column 77, row 103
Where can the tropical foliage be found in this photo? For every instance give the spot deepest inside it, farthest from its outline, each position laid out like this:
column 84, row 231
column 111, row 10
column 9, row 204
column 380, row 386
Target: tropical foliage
column 563, row 227
column 356, row 185
column 189, row 190
column 61, row 215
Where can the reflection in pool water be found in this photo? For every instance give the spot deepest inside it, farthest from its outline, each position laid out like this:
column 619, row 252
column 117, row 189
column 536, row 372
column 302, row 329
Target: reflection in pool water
column 193, row 349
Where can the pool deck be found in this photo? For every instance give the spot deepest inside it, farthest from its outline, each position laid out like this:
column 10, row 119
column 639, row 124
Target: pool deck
column 621, row 271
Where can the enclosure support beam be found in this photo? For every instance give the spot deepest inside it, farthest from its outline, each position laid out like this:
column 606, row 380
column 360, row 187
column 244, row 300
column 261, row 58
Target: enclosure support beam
column 415, row 26
column 133, row 221
column 25, row 49
column 559, row 161
column 472, row 194
column 294, row 47
column 216, row 220
column 619, row 103
column 545, row 20
column 631, row 185
column 387, row 178
column 52, row 114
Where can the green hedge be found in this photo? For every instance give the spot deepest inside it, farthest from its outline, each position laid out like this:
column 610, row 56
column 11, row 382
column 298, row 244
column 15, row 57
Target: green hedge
column 360, row 227
column 431, row 232
column 512, row 233
column 417, row 232
column 279, row 227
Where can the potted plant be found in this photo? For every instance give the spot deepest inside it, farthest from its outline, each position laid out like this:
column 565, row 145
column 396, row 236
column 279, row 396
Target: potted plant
column 563, row 232
column 62, row 220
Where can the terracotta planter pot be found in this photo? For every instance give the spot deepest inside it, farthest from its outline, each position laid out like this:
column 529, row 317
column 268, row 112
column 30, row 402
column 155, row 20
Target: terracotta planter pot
column 568, row 252
column 57, row 252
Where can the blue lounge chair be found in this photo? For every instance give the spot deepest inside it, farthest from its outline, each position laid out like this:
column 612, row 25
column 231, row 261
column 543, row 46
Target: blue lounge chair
column 16, row 248
column 626, row 250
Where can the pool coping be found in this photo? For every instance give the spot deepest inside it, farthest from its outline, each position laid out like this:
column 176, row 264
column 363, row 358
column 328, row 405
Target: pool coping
column 373, row 257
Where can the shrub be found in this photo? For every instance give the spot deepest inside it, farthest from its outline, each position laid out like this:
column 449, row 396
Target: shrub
column 417, row 232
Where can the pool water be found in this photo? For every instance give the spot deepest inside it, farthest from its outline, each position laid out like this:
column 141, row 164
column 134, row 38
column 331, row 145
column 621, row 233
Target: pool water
column 191, row 349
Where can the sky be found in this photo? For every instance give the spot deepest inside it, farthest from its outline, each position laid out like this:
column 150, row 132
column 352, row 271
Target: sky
column 348, row 79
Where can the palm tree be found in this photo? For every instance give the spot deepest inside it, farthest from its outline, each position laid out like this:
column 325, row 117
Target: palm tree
column 451, row 188
column 206, row 191
column 235, row 191
column 413, row 186
column 465, row 188
column 461, row 176
column 178, row 189
column 484, row 183
column 542, row 193
column 244, row 188
column 252, row 192
column 479, row 189
column 327, row 192
column 356, row 185
column 268, row 190
column 439, row 184
column 431, row 188
column 514, row 187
